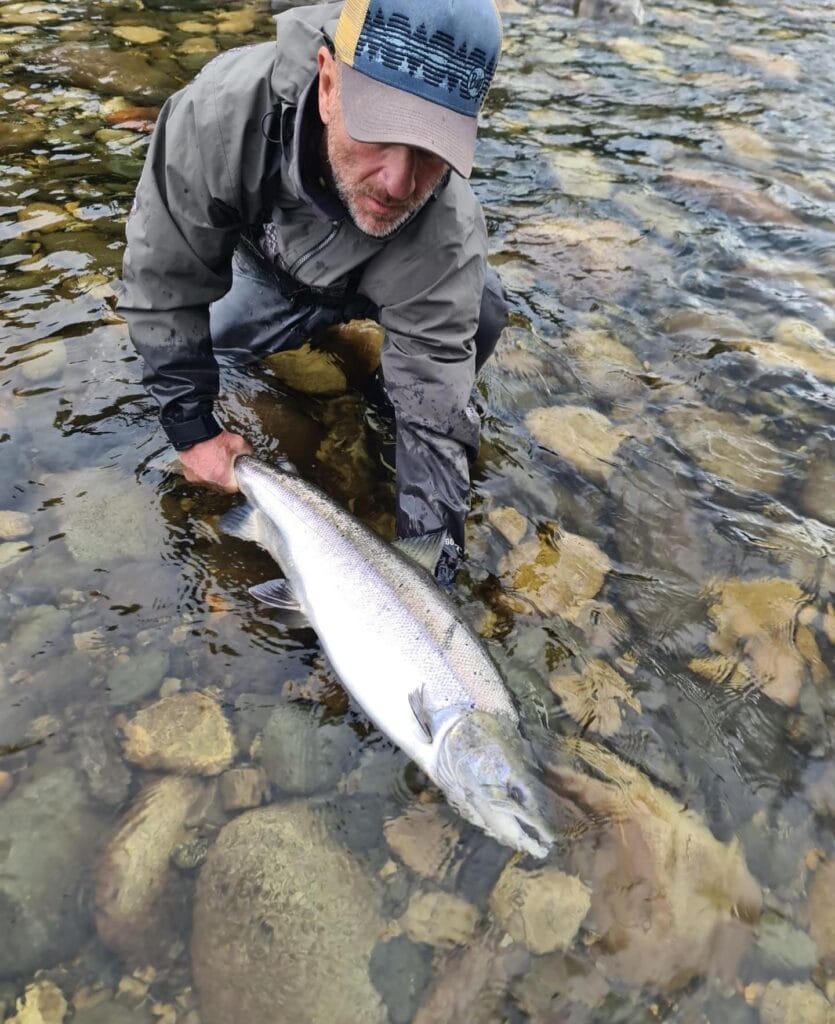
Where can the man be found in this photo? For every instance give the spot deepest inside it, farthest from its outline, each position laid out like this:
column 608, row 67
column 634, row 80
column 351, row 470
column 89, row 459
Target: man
column 300, row 184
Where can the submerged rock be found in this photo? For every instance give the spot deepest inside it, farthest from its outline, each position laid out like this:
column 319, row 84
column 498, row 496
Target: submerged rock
column 586, row 261
column 558, row 577
column 186, row 732
column 593, row 698
column 309, row 370
column 669, row 902
column 137, row 913
column 136, row 677
column 301, row 754
column 729, row 445
column 49, row 832
column 284, row 918
column 42, row 1003
column 106, row 517
column 580, row 435
column 758, row 619
column 795, row 1004
column 424, row 838
column 542, row 909
column 822, row 910
column 15, row 525
column 439, row 919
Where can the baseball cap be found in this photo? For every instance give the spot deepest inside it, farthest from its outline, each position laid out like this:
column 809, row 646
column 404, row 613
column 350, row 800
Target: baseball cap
column 416, row 72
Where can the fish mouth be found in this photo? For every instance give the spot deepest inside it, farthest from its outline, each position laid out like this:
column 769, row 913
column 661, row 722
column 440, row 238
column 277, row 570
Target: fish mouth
column 540, row 843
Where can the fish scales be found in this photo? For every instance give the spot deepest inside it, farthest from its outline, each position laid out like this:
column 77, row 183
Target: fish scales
column 400, row 648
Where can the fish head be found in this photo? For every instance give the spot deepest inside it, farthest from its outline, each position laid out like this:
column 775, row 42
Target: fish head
column 485, row 769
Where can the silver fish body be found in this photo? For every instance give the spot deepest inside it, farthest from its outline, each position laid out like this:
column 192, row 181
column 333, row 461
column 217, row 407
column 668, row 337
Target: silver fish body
column 400, row 648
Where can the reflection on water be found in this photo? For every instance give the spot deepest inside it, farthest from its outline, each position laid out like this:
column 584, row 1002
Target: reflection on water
column 650, row 560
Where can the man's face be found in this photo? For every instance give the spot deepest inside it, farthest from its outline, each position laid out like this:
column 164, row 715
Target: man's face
column 381, row 185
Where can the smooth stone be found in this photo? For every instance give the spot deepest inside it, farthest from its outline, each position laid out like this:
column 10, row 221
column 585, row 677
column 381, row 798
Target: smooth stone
column 12, row 552
column 581, row 174
column 472, row 984
column 400, row 971
column 106, row 517
column 439, row 919
column 729, row 446
column 582, row 436
column 795, row 1004
column 557, row 577
column 49, row 362
column 594, row 697
column 757, row 639
column 138, row 677
column 816, row 496
column 510, row 523
column 300, row 754
column 242, row 788
column 42, row 1003
column 122, row 72
column 588, row 261
column 39, row 629
column 542, row 909
column 15, row 525
column 822, row 909
column 50, row 834
column 309, row 370
column 112, row 1012
column 186, row 733
column 142, row 35
column 557, row 981
column 284, row 917
column 424, row 838
column 606, row 365
column 100, row 761
column 669, row 902
column 137, row 909
column 782, row 946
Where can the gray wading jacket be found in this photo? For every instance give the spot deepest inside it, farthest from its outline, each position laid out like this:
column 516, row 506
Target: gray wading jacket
column 224, row 162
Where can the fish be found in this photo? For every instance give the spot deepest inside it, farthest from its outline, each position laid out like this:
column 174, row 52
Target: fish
column 399, row 646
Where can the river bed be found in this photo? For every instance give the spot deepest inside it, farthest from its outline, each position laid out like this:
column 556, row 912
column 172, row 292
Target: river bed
column 195, row 824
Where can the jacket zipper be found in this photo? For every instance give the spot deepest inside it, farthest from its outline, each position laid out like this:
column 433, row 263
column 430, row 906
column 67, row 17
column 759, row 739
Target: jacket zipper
column 300, row 262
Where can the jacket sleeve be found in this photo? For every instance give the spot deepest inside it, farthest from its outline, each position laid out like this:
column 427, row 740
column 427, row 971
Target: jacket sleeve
column 191, row 204
column 428, row 364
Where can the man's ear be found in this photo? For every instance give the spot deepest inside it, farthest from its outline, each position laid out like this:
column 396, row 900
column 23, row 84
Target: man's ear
column 328, row 84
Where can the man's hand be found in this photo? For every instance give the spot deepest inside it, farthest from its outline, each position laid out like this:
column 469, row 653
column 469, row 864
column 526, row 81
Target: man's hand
column 210, row 462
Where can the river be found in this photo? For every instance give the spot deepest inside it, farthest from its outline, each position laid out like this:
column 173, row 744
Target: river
column 649, row 560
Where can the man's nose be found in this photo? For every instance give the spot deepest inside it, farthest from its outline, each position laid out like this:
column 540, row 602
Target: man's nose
column 398, row 171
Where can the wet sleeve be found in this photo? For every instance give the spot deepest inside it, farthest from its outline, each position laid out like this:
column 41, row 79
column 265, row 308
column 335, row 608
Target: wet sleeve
column 186, row 220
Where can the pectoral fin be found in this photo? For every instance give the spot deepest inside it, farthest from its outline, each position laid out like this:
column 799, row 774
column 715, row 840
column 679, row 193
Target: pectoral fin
column 425, row 550
column 420, row 713
column 243, row 522
column 279, row 594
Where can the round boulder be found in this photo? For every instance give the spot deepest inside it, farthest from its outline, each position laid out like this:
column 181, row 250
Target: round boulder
column 284, row 921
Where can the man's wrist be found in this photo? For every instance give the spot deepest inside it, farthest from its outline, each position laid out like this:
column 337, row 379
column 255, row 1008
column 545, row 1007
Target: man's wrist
column 191, row 432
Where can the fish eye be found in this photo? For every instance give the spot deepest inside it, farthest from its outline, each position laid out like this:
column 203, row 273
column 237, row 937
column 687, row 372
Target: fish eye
column 516, row 793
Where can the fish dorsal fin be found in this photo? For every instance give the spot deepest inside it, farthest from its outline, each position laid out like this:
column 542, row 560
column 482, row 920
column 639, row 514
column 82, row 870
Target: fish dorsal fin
column 425, row 550
column 243, row 522
column 420, row 713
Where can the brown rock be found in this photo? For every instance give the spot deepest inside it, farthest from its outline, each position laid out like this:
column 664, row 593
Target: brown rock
column 424, row 838
column 822, row 910
column 242, row 788
column 669, row 901
column 135, row 912
column 186, row 732
column 542, row 909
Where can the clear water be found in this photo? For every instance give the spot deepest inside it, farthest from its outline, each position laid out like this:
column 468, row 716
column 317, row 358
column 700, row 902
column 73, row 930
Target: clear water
column 670, row 187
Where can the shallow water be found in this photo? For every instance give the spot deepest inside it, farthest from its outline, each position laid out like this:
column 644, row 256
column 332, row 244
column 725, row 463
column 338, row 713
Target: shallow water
column 660, row 201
